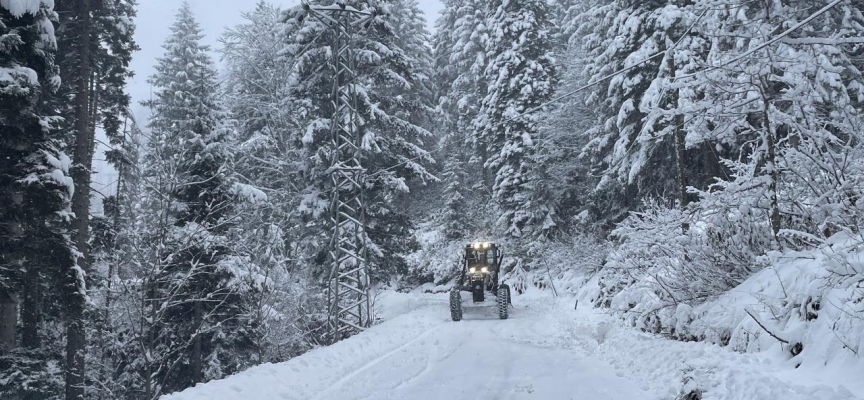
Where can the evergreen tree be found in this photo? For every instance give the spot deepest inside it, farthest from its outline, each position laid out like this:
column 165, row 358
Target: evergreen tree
column 35, row 190
column 521, row 76
column 454, row 217
column 460, row 58
column 393, row 151
column 196, row 314
column 640, row 143
column 270, row 233
column 95, row 48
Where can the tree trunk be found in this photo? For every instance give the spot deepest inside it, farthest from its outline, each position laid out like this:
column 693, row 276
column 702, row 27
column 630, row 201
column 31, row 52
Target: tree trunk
column 710, row 164
column 76, row 341
column 771, row 166
column 8, row 320
column 679, row 138
column 197, row 361
column 9, row 314
column 31, row 309
column 150, row 326
column 770, row 160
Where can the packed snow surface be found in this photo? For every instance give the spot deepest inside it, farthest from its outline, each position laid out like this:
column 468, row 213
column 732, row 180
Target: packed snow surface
column 546, row 350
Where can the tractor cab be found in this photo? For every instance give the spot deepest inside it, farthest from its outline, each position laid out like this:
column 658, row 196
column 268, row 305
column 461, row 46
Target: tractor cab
column 482, row 257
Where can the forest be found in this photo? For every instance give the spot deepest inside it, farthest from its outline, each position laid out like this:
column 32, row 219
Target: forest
column 653, row 155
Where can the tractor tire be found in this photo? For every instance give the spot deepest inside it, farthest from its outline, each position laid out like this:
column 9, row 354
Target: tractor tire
column 478, row 295
column 503, row 297
column 455, row 305
column 509, row 298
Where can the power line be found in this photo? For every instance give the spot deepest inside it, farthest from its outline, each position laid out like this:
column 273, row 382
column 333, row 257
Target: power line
column 706, row 69
column 653, row 56
column 768, row 43
column 562, row 97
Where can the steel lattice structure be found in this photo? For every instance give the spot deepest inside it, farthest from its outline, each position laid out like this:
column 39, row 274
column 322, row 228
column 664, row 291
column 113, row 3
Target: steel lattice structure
column 349, row 309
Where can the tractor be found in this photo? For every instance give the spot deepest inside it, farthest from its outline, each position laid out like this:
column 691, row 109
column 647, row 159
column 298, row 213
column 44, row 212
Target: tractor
column 480, row 267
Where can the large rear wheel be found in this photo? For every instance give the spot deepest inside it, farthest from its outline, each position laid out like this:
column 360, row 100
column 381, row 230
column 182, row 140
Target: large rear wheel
column 455, row 305
column 503, row 298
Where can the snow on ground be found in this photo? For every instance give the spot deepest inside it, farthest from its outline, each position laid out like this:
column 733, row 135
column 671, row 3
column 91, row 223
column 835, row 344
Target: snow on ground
column 665, row 369
column 546, row 350
column 800, row 315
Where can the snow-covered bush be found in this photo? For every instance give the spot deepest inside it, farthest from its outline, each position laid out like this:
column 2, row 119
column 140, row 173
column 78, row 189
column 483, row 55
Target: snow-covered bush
column 669, row 256
column 710, row 283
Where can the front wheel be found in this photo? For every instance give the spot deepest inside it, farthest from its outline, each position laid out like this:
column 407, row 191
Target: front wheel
column 455, row 305
column 503, row 297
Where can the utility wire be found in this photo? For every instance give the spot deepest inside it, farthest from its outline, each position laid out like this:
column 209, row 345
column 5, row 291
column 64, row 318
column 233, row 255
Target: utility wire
column 768, row 43
column 559, row 98
column 658, row 54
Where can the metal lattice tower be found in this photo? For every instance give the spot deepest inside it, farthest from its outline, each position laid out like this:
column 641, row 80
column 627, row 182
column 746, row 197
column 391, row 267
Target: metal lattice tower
column 349, row 308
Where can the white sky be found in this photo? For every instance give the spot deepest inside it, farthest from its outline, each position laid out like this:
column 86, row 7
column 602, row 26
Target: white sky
column 156, row 16
column 154, row 21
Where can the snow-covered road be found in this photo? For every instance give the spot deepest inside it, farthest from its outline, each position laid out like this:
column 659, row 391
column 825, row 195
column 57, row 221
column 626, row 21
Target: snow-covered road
column 544, row 351
column 483, row 357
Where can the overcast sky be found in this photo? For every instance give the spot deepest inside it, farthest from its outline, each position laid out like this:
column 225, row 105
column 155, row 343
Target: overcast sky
column 155, row 18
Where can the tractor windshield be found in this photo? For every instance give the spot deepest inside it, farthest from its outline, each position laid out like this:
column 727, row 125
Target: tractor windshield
column 482, row 257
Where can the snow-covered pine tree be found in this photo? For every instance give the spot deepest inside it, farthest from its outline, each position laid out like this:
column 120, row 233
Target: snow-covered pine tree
column 460, row 58
column 521, row 76
column 193, row 314
column 95, row 49
column 410, row 35
column 561, row 13
column 455, row 214
column 35, row 190
column 790, row 121
column 634, row 145
column 270, row 232
column 393, row 143
column 569, row 178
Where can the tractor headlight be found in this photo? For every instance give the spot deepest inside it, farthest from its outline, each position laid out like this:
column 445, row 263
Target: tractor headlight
column 484, row 269
column 476, row 245
column 486, row 245
column 472, row 270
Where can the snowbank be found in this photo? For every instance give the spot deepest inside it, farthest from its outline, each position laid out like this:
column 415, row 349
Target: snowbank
column 308, row 376
column 667, row 369
column 804, row 312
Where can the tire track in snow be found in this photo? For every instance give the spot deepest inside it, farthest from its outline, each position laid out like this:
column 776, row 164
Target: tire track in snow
column 347, row 378
column 430, row 362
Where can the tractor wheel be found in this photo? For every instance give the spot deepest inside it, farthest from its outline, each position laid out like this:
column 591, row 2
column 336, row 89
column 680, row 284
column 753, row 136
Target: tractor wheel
column 478, row 294
column 503, row 301
column 455, row 305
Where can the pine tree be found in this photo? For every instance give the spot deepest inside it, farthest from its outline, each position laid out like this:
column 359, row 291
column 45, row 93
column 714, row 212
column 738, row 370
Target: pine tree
column 270, row 234
column 188, row 266
column 455, row 214
column 785, row 119
column 95, row 49
column 410, row 35
column 521, row 76
column 460, row 59
column 35, row 190
column 393, row 142
column 641, row 144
